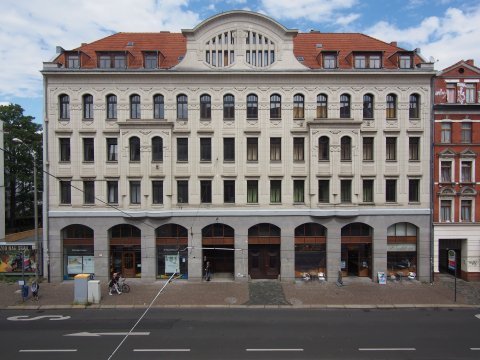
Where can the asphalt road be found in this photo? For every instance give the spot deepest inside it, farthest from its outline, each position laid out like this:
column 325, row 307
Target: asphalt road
column 240, row 334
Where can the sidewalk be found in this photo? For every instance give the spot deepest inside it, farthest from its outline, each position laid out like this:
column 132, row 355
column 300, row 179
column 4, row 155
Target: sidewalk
column 356, row 293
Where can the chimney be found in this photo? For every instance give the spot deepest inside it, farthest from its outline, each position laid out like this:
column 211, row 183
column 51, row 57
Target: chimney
column 83, row 44
column 470, row 62
column 59, row 50
column 394, row 43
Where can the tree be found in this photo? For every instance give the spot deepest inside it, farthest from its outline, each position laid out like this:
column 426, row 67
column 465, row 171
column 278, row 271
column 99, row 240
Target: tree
column 19, row 190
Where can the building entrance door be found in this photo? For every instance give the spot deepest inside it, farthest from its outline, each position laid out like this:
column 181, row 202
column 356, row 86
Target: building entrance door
column 353, row 261
column 128, row 264
column 264, row 261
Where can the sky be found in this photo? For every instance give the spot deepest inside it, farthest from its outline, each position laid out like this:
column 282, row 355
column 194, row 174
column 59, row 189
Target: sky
column 445, row 30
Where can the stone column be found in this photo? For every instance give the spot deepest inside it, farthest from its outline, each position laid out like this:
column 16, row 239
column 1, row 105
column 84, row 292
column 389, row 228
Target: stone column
column 55, row 251
column 287, row 253
column 149, row 253
column 241, row 254
column 101, row 252
column 334, row 250
column 195, row 254
column 379, row 249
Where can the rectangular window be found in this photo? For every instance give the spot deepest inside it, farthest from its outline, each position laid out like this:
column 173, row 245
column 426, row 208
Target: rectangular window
column 252, row 191
column 323, row 191
column 275, row 149
column 182, row 149
column 390, row 190
column 206, row 191
column 414, row 190
column 104, row 62
column 298, row 191
column 368, row 148
column 119, row 62
column 252, row 149
column 345, row 191
column 135, row 192
column 88, row 192
column 229, row 191
column 275, row 191
column 466, row 132
column 405, row 62
column 206, row 149
column 414, row 148
column 446, row 136
column 446, row 171
column 88, row 150
column 182, row 191
column 65, row 192
column 112, row 149
column 469, row 93
column 466, row 171
column 368, row 191
column 157, row 192
column 445, row 211
column 329, row 61
column 228, row 149
column 298, row 149
column 73, row 62
column 375, row 62
column 112, row 192
column 151, row 61
column 391, row 148
column 466, row 211
column 360, row 62
column 451, row 93
column 64, row 149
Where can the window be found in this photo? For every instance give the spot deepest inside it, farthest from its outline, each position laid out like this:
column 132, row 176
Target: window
column 323, row 148
column 466, row 211
column 157, row 148
column 466, row 171
column 414, row 190
column 88, row 192
column 252, row 149
column 252, row 106
column 150, row 61
column 405, row 62
column 275, row 149
column 229, row 107
column 368, row 106
column 182, row 107
column 445, row 171
column 157, row 192
column 134, row 143
column 446, row 135
column 252, row 191
column 104, row 62
column 322, row 106
column 451, row 93
column 182, row 191
column 298, row 106
column 65, row 192
column 228, row 149
column 391, row 106
column 329, row 61
column 323, row 191
column 360, row 62
column 470, row 93
column 346, row 149
column 206, row 149
column 112, row 149
column 391, row 148
column 206, row 191
column 112, row 192
column 88, row 150
column 445, row 210
column 119, row 62
column 466, row 132
column 229, row 191
column 205, row 107
column 414, row 109
column 298, row 149
column 111, row 106
column 64, row 149
column 375, row 62
column 158, row 107
column 135, row 107
column 368, row 191
column 182, row 149
column 298, row 191
column 390, row 190
column 275, row 106
column 345, row 106
column 275, row 191
column 345, row 191
column 368, row 150
column 87, row 106
column 64, row 107
column 73, row 62
column 413, row 148
column 135, row 192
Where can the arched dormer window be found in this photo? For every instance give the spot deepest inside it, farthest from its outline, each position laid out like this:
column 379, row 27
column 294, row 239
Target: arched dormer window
column 220, row 49
column 260, row 50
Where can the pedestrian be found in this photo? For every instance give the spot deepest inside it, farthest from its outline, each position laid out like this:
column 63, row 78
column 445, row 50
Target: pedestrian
column 35, row 287
column 113, row 285
column 208, row 271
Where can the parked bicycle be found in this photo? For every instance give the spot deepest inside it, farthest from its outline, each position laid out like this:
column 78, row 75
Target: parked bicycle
column 123, row 286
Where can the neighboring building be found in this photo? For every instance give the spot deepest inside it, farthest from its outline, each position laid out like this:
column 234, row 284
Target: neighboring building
column 266, row 151
column 456, row 169
column 2, row 185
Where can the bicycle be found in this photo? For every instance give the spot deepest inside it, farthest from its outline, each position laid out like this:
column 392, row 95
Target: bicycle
column 123, row 286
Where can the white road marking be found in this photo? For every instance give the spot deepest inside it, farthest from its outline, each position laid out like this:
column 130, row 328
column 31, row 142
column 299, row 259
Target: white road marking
column 86, row 333
column 477, row 316
column 475, row 349
column 26, row 318
column 47, row 350
column 387, row 349
column 274, row 349
column 163, row 350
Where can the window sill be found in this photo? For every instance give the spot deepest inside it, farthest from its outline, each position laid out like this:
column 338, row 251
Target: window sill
column 205, row 161
column 323, row 160
column 391, row 160
column 252, row 162
column 368, row 160
column 64, row 119
column 275, row 161
column 134, row 162
column 228, row 119
column 202, row 119
column 320, row 119
column 229, row 161
column 65, row 204
column 111, row 162
column 87, row 119
column 64, row 162
column 346, row 161
column 112, row 204
column 252, row 204
column 111, row 119
column 182, row 161
column 275, row 119
column 89, row 162
column 369, row 119
column 181, row 119
column 414, row 161
column 252, row 119
column 157, row 162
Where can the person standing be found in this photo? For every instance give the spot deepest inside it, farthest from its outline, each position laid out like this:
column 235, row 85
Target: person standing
column 35, row 287
column 113, row 285
column 208, row 271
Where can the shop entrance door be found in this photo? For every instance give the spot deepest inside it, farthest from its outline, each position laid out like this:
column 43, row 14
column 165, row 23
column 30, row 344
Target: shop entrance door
column 352, row 265
column 264, row 261
column 128, row 264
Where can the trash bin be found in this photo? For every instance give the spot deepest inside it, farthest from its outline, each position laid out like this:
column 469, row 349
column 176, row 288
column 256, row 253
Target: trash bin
column 80, row 288
column 94, row 293
column 24, row 292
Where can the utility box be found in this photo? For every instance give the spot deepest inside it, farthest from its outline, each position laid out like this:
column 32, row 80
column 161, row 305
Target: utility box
column 80, row 289
column 94, row 293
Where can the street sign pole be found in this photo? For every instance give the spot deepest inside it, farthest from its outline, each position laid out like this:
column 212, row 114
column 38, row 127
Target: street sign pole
column 452, row 265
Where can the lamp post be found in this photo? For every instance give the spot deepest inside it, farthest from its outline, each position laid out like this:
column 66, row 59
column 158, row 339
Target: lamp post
column 35, row 205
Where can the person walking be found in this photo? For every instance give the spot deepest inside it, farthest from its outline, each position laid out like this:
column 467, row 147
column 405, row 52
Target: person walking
column 113, row 285
column 35, row 287
column 208, row 271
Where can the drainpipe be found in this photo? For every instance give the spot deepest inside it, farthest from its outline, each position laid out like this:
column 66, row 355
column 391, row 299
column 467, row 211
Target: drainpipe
column 45, row 207
column 432, row 184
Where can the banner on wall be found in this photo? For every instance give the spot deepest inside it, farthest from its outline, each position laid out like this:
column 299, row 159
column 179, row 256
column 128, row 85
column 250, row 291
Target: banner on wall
column 172, row 264
column 12, row 256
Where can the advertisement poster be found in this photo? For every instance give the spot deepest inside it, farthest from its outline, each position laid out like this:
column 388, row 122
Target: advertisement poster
column 88, row 265
column 382, row 279
column 11, row 257
column 172, row 264
column 452, row 260
column 74, row 265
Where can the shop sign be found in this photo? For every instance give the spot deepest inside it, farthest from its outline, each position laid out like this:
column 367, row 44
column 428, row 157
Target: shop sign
column 401, row 247
column 452, row 260
column 172, row 264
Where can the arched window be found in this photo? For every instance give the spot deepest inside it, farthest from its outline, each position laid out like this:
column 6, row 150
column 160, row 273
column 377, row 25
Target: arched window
column 157, row 148
column 345, row 106
column 346, row 149
column 135, row 106
column 414, row 110
column 64, row 107
column 134, row 144
column 298, row 106
column 229, row 106
column 322, row 106
column 391, row 106
column 182, row 107
column 111, row 106
column 323, row 148
column 275, row 106
column 87, row 106
column 252, row 106
column 368, row 106
column 205, row 107
column 158, row 107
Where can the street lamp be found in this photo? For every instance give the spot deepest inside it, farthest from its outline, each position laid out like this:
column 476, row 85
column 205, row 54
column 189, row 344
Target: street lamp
column 35, row 204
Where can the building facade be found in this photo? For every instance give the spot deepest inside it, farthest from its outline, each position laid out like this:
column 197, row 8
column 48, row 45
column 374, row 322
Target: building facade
column 456, row 178
column 268, row 152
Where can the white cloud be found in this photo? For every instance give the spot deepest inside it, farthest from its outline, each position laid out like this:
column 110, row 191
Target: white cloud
column 4, row 103
column 346, row 20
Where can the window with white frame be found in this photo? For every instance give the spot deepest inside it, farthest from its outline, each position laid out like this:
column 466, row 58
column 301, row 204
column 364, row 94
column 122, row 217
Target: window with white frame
column 275, row 149
column 451, row 93
column 446, row 171
column 446, row 133
column 298, row 191
column 466, row 171
column 135, row 192
column 405, row 62
column 466, row 132
column 466, row 210
column 367, row 190
column 298, row 149
column 445, row 210
column 470, row 93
